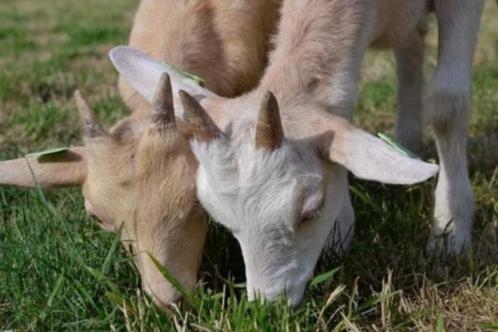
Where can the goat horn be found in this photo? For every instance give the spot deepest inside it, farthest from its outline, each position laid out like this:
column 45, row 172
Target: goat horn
column 163, row 112
column 91, row 127
column 269, row 132
column 201, row 125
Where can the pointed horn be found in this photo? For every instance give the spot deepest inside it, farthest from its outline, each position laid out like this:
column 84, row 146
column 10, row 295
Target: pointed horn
column 269, row 132
column 163, row 112
column 201, row 125
column 91, row 127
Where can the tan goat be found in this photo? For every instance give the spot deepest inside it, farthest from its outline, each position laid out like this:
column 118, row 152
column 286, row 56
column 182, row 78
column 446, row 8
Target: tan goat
column 275, row 174
column 142, row 171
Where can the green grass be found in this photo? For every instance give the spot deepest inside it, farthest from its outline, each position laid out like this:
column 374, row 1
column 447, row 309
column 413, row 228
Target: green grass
column 59, row 271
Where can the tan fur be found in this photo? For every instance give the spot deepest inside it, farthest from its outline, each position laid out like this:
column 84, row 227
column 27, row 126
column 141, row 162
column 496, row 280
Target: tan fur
column 225, row 42
column 147, row 184
column 311, row 51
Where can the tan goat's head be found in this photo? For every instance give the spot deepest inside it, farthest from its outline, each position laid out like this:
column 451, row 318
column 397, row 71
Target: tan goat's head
column 140, row 175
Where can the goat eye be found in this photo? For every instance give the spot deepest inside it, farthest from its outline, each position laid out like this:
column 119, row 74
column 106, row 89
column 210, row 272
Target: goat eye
column 309, row 216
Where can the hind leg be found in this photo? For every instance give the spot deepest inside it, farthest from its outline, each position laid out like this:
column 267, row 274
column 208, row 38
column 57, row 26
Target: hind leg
column 449, row 106
column 409, row 60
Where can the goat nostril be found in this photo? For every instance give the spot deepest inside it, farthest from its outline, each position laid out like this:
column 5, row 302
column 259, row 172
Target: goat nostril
column 93, row 217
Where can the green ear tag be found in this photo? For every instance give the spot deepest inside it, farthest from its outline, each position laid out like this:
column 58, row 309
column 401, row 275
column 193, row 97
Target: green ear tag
column 396, row 146
column 47, row 152
column 193, row 77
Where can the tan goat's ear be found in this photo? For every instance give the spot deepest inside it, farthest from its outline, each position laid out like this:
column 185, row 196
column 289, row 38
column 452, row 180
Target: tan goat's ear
column 370, row 158
column 269, row 132
column 64, row 169
column 143, row 73
column 200, row 124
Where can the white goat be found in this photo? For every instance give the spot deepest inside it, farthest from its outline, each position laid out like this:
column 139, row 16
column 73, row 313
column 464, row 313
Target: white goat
column 280, row 195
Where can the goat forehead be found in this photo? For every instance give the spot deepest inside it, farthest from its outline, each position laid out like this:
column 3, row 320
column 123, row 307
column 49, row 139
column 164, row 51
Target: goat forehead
column 291, row 159
column 267, row 182
column 239, row 164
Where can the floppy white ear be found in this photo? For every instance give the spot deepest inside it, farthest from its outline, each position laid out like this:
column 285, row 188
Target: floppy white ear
column 143, row 73
column 370, row 158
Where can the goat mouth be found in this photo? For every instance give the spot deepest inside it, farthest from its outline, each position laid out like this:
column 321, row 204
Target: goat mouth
column 107, row 227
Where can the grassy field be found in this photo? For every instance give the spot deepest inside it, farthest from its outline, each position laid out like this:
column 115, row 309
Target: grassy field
column 59, row 271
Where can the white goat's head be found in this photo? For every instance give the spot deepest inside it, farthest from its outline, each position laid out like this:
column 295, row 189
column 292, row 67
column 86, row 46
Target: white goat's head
column 139, row 175
column 280, row 195
column 277, row 184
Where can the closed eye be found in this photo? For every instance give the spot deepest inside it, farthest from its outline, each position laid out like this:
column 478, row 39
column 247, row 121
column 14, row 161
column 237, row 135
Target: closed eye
column 309, row 216
column 312, row 214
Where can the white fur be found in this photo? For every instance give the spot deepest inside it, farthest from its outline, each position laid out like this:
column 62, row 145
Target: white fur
column 258, row 195
column 448, row 105
column 367, row 157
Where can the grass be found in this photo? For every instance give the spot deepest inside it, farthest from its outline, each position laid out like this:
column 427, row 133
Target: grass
column 59, row 271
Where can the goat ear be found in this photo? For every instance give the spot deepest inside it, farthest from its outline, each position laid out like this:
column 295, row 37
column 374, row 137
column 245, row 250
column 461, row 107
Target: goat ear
column 144, row 73
column 63, row 169
column 370, row 158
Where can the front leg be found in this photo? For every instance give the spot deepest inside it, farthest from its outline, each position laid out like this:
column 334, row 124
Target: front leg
column 409, row 61
column 449, row 106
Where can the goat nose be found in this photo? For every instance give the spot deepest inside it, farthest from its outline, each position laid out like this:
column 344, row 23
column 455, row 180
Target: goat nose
column 163, row 295
column 165, row 302
column 293, row 294
column 255, row 293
